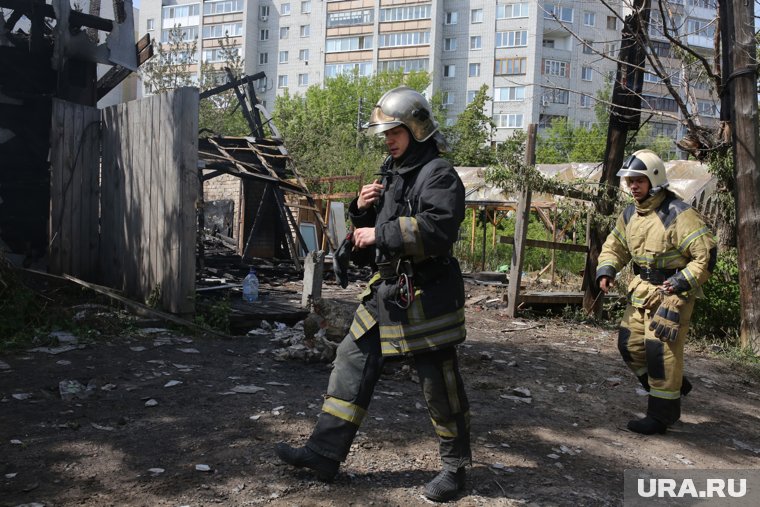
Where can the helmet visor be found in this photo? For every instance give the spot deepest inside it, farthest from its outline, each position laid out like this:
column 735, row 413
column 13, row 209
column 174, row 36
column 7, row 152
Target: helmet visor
column 380, row 122
column 633, row 166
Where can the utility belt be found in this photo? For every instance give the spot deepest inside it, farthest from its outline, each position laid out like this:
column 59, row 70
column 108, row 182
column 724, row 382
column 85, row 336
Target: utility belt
column 655, row 276
column 421, row 272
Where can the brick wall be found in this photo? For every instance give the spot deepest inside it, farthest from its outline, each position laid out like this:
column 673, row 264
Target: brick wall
column 224, row 187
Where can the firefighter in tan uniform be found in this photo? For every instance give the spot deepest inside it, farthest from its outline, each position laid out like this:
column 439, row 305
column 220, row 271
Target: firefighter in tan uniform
column 414, row 305
column 673, row 254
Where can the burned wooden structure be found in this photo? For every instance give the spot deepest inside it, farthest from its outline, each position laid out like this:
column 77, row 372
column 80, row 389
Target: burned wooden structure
column 47, row 52
column 272, row 191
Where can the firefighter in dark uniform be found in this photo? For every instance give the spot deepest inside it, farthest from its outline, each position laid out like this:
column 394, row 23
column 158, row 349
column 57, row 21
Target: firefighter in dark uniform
column 414, row 303
column 673, row 254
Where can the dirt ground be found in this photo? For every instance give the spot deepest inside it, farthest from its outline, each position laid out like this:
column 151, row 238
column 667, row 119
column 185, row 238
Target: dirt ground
column 162, row 424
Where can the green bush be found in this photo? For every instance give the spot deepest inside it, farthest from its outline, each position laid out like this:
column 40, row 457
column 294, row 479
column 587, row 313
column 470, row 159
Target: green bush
column 718, row 313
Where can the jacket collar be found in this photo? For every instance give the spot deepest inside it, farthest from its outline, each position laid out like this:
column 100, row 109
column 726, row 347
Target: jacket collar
column 416, row 156
column 650, row 203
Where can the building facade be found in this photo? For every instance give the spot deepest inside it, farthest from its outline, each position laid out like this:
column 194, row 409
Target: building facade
column 541, row 60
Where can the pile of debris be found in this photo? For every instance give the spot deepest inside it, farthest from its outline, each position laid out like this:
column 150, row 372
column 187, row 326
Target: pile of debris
column 313, row 339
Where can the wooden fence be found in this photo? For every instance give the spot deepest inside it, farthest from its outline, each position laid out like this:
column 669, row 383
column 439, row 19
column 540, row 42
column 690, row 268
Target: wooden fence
column 148, row 193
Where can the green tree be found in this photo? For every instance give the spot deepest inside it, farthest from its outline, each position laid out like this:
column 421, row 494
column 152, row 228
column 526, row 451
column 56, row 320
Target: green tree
column 321, row 130
column 220, row 113
column 170, row 66
column 470, row 137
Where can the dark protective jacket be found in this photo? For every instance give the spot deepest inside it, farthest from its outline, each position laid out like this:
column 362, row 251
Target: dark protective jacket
column 416, row 221
column 663, row 234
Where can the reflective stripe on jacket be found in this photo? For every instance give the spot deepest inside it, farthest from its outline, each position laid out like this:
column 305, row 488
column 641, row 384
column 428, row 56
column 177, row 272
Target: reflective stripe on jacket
column 663, row 232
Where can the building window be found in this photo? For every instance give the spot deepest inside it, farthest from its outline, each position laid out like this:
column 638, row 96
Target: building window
column 263, row 12
column 305, row 30
column 476, row 42
column 471, row 95
column 610, row 48
column 547, row 43
column 700, row 27
column 707, row 108
column 151, row 24
column 337, row 69
column 448, row 98
column 285, row 11
column 588, row 47
column 510, row 66
column 352, row 18
column 284, row 32
column 449, row 44
column 509, row 94
column 585, row 101
column 587, row 74
column 508, row 11
column 263, row 58
column 348, row 44
column 180, row 11
column 222, row 30
column 449, row 70
column 660, row 48
column 474, row 70
column 476, row 16
column 512, row 39
column 555, row 68
column 283, row 57
column 587, row 125
column 406, row 13
column 508, row 121
column 389, row 40
column 546, row 120
column 589, row 18
column 659, row 103
column 306, row 8
column 303, row 79
column 303, row 55
column 415, row 65
column 552, row 11
column 219, row 55
column 554, row 96
column 222, row 7
column 282, row 81
column 264, row 34
column 451, row 18
column 611, row 23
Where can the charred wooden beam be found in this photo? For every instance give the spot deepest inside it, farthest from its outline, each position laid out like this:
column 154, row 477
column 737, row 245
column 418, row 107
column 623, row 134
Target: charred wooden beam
column 117, row 73
column 76, row 18
column 229, row 86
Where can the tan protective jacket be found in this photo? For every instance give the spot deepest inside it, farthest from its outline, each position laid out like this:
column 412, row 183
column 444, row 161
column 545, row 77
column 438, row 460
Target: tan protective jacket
column 664, row 233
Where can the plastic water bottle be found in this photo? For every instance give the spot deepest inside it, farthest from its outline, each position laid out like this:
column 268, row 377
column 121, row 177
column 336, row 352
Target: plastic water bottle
column 251, row 287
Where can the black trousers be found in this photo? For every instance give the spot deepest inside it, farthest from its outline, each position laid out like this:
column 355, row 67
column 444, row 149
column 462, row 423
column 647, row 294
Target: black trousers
column 357, row 369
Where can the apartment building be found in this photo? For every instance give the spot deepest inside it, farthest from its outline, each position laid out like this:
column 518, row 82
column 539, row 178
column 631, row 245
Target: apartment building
column 540, row 59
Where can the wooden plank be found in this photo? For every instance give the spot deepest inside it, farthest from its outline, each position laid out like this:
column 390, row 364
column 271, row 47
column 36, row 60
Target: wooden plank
column 166, row 182
column 91, row 193
column 190, row 191
column 76, row 233
column 521, row 229
column 56, row 194
column 550, row 245
column 148, row 195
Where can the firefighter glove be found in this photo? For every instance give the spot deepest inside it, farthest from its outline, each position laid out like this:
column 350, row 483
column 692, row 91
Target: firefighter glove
column 667, row 320
column 341, row 258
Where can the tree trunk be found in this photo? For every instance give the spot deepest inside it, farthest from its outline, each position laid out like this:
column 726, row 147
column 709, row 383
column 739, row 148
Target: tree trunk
column 743, row 88
column 624, row 115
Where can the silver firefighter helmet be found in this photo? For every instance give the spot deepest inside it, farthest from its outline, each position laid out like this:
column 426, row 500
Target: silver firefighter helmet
column 646, row 163
column 403, row 106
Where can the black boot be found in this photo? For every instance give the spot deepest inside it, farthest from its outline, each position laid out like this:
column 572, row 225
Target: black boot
column 686, row 386
column 325, row 468
column 445, row 486
column 647, row 426
column 661, row 413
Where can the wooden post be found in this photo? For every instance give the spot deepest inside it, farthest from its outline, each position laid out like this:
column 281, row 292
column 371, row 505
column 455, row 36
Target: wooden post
column 472, row 234
column 554, row 240
column 521, row 229
column 743, row 90
column 485, row 227
column 312, row 277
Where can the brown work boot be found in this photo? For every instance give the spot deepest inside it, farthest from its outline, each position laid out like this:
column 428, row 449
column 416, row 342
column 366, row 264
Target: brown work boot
column 445, row 486
column 303, row 457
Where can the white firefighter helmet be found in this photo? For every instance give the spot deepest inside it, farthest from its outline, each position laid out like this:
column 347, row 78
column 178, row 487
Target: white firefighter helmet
column 646, row 163
column 403, row 106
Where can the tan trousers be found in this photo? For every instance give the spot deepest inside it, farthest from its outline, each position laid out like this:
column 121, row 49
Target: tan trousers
column 646, row 354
